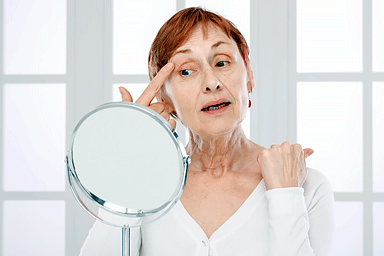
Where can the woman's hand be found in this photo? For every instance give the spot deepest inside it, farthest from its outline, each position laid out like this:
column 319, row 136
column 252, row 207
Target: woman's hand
column 284, row 166
column 150, row 93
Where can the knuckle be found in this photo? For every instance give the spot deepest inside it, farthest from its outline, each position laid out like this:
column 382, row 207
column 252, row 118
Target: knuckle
column 297, row 147
column 286, row 146
column 160, row 105
column 159, row 108
column 286, row 143
column 153, row 86
column 266, row 152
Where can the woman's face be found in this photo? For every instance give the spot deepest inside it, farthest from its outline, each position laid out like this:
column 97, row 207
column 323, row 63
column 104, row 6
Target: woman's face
column 209, row 85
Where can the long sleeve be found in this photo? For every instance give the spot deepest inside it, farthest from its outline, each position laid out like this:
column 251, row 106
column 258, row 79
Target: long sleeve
column 104, row 239
column 301, row 219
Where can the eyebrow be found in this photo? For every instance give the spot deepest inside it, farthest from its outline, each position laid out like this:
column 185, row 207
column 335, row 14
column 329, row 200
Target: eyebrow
column 218, row 44
column 214, row 46
column 182, row 51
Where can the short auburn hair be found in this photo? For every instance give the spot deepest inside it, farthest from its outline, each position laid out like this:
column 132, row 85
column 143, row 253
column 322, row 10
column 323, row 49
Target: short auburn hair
column 179, row 28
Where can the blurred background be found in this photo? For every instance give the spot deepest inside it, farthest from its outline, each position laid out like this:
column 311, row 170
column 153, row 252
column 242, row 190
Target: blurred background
column 319, row 69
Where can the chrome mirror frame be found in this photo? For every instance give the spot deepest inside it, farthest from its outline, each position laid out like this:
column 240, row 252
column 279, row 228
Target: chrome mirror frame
column 143, row 216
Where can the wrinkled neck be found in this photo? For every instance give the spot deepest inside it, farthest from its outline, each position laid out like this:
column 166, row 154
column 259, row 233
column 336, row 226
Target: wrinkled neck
column 218, row 154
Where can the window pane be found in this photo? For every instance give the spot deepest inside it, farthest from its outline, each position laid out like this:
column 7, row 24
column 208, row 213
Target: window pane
column 329, row 120
column 378, row 35
column 348, row 236
column 329, row 36
column 34, row 137
column 135, row 25
column 35, row 36
column 236, row 11
column 378, row 229
column 34, row 228
column 135, row 89
column 378, row 136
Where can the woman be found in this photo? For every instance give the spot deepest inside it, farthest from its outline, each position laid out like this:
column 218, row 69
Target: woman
column 239, row 198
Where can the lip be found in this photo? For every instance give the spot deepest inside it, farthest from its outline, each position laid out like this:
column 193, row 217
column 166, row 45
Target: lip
column 216, row 111
column 215, row 102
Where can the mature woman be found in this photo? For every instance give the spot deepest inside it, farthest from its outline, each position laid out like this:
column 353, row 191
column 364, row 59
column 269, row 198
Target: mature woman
column 239, row 198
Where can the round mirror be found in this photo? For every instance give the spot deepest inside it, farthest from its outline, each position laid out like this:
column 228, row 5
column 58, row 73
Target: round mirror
column 128, row 160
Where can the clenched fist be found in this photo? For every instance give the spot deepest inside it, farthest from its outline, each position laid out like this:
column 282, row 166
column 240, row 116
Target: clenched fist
column 284, row 165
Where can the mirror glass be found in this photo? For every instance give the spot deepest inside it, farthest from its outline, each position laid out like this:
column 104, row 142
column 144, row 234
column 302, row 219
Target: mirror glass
column 128, row 159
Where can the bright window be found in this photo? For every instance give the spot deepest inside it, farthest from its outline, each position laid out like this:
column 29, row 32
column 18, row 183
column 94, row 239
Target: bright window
column 34, row 228
column 339, row 90
column 35, row 37
column 34, row 137
column 329, row 36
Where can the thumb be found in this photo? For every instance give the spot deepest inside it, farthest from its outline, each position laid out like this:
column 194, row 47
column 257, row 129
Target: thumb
column 308, row 152
column 173, row 123
column 125, row 95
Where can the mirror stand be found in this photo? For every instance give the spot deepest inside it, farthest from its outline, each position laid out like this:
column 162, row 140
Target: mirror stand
column 137, row 189
column 126, row 229
column 126, row 240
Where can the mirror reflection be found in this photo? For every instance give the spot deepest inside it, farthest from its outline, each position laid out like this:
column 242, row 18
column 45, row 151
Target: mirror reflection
column 127, row 158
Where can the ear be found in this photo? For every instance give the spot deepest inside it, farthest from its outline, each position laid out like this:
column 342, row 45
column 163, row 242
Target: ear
column 251, row 79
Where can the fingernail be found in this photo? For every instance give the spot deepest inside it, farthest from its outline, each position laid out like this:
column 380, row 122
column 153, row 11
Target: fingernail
column 169, row 66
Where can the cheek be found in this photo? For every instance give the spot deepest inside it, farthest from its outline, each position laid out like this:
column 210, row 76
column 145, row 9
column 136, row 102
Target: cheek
column 180, row 97
column 236, row 84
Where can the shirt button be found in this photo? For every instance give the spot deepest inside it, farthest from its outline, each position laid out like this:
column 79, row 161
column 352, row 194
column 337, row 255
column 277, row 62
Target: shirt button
column 205, row 242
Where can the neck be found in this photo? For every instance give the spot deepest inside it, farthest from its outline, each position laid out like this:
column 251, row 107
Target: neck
column 218, row 155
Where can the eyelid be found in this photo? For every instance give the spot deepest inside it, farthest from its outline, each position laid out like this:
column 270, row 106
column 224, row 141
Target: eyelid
column 223, row 55
column 181, row 63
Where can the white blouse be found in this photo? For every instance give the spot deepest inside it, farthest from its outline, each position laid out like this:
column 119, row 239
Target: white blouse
column 285, row 221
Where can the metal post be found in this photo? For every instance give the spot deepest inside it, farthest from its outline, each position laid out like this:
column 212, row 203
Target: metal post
column 126, row 240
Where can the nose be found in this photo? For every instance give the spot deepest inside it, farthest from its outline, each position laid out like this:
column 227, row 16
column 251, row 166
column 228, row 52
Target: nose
column 213, row 88
column 211, row 83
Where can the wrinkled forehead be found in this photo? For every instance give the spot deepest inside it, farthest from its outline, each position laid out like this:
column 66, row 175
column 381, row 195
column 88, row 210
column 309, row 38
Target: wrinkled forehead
column 209, row 31
column 207, row 28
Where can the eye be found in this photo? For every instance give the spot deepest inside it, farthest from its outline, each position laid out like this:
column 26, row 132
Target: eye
column 186, row 72
column 222, row 63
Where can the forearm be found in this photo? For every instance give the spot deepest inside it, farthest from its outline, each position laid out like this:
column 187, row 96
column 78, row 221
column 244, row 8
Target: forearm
column 288, row 222
column 301, row 219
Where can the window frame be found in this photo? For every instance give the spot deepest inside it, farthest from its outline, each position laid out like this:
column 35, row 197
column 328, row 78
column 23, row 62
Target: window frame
column 367, row 197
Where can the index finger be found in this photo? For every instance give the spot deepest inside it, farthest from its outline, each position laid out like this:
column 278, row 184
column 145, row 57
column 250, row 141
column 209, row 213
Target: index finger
column 155, row 85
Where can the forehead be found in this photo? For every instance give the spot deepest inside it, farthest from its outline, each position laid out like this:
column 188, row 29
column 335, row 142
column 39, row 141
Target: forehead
column 210, row 35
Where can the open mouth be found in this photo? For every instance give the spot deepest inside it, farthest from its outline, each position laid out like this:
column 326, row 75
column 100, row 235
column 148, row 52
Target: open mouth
column 216, row 107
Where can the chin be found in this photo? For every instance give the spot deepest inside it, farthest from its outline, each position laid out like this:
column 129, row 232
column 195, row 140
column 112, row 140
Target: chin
column 217, row 130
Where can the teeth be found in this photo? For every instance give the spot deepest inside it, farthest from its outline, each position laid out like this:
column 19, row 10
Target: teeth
column 215, row 108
